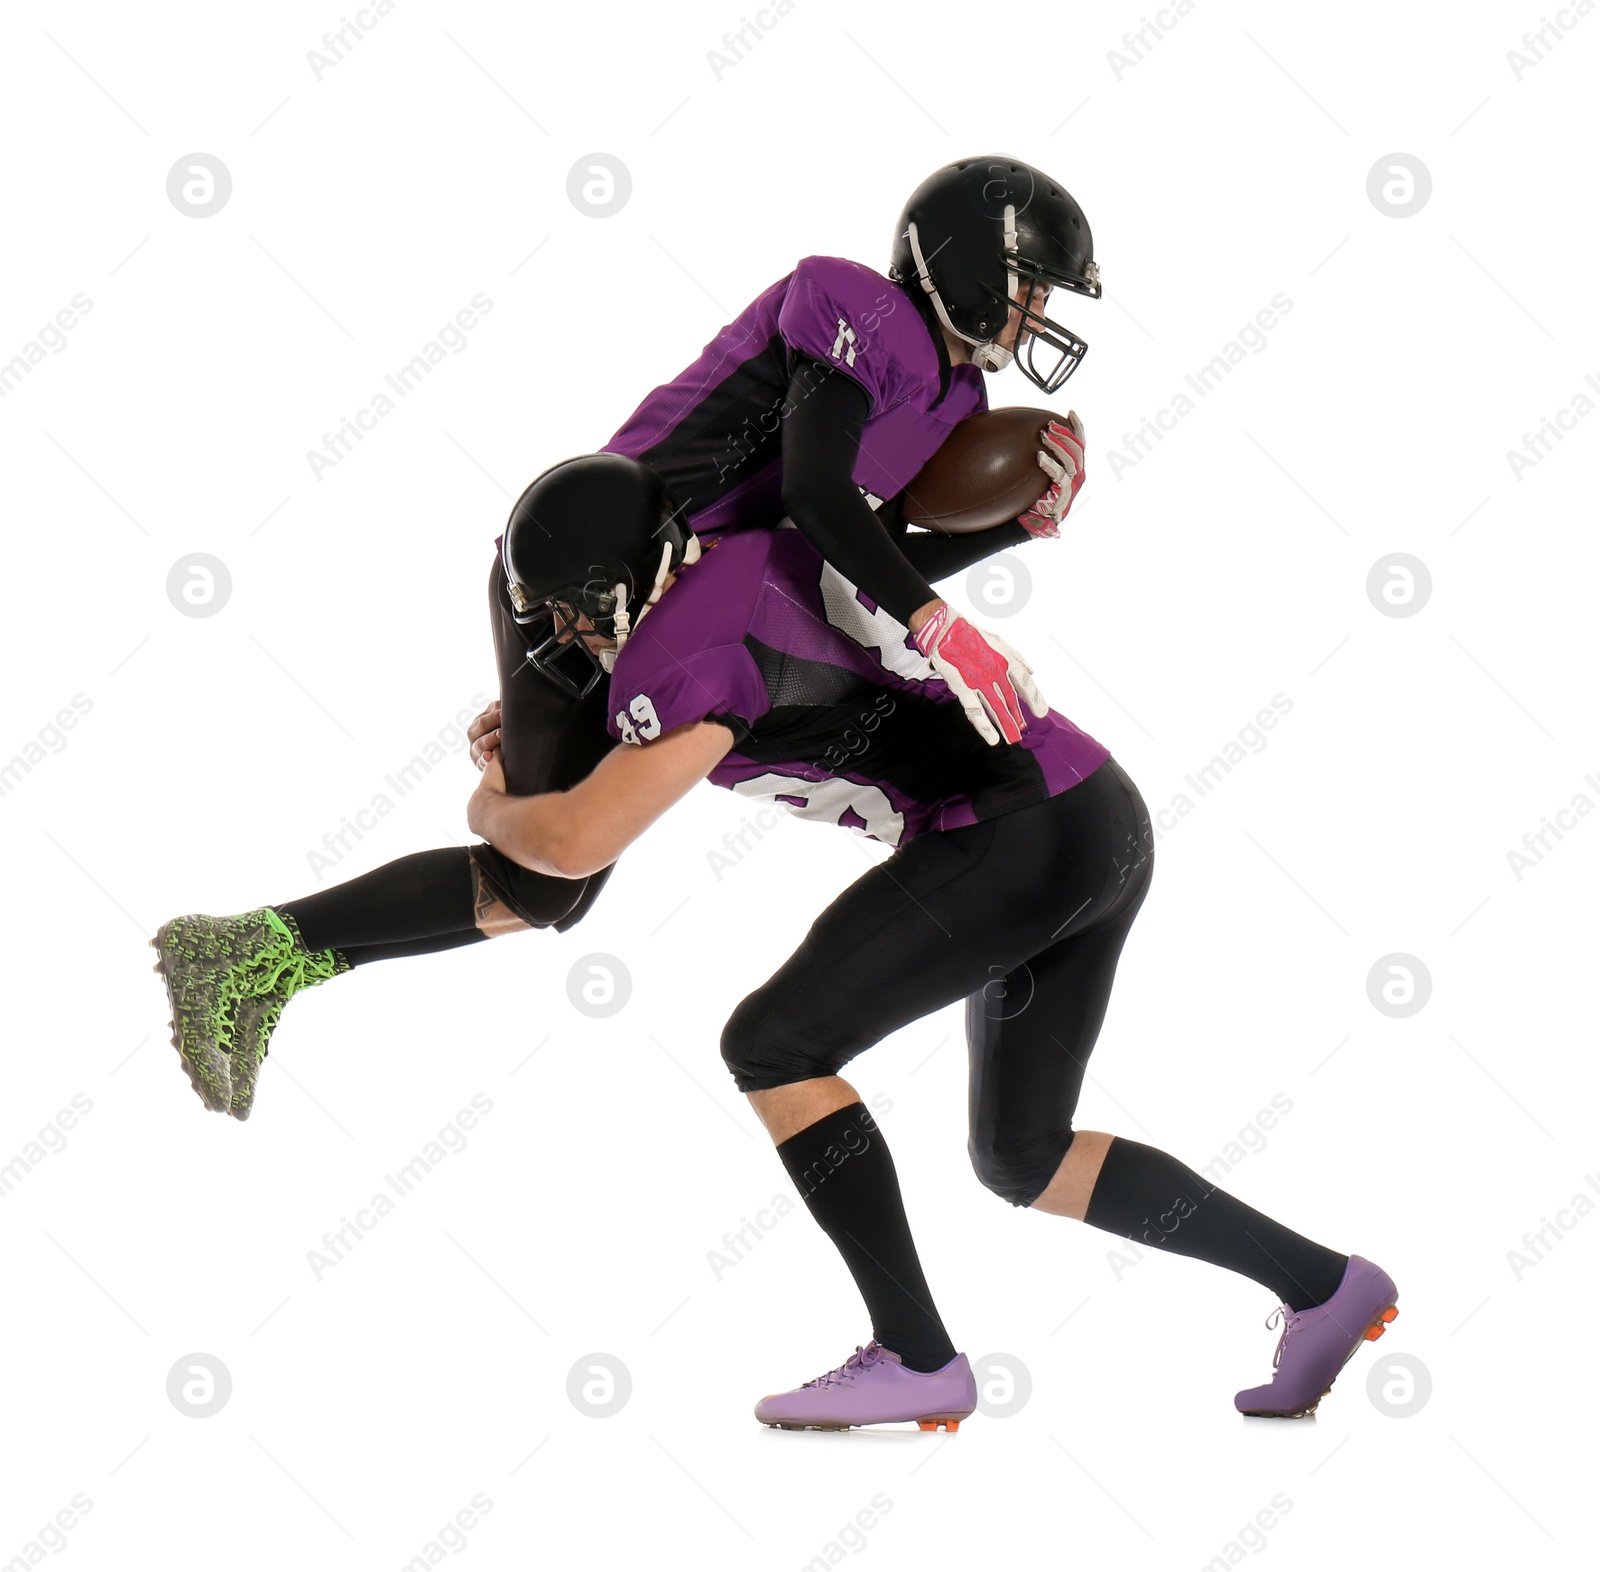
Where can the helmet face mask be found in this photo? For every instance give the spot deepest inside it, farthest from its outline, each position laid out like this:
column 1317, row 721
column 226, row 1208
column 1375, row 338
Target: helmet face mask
column 562, row 622
column 556, row 649
column 1046, row 351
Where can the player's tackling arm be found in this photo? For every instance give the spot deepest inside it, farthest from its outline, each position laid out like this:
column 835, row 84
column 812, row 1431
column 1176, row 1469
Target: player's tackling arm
column 571, row 834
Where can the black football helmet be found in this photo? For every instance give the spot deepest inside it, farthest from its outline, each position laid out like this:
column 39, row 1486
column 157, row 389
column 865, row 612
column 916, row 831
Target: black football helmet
column 970, row 233
column 592, row 537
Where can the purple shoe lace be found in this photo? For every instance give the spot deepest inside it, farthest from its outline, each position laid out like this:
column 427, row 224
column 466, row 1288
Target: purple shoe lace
column 861, row 1359
column 1291, row 1320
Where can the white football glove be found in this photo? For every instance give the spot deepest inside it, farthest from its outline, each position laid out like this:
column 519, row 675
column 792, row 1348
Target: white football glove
column 985, row 674
column 1061, row 458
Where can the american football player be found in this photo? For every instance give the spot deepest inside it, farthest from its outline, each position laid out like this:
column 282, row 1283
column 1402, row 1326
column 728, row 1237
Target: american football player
column 1015, row 877
column 836, row 384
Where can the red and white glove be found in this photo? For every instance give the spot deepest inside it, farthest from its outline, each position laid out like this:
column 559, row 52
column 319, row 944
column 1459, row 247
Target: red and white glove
column 1061, row 458
column 983, row 672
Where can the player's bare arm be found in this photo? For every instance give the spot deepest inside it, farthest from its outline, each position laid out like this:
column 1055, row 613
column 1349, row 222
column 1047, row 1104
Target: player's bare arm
column 571, row 834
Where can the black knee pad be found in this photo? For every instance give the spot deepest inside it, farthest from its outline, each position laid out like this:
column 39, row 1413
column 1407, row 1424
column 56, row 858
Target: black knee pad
column 1018, row 1172
column 539, row 899
column 764, row 1049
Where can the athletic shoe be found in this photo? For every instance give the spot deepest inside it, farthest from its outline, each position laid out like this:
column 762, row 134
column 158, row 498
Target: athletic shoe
column 194, row 956
column 872, row 1387
column 257, row 991
column 1318, row 1343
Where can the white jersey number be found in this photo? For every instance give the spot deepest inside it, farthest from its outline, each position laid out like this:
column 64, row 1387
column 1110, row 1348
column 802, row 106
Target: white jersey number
column 832, row 801
column 642, row 711
column 844, row 346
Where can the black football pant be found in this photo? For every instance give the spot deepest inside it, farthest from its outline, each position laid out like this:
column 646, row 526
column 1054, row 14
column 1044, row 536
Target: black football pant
column 1023, row 916
column 549, row 741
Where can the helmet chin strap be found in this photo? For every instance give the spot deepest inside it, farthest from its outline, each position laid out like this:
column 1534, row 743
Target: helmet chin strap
column 987, row 354
column 991, row 357
column 625, row 623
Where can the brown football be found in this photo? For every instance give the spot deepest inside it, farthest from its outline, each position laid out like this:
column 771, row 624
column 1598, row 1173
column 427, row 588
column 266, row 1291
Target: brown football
column 985, row 474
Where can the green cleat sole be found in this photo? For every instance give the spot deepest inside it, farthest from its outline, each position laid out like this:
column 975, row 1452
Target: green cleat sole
column 191, row 999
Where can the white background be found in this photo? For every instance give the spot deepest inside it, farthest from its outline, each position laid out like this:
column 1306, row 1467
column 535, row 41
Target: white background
column 1226, row 166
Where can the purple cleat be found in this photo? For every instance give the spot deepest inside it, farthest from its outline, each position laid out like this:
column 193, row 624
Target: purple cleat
column 872, row 1387
column 1318, row 1343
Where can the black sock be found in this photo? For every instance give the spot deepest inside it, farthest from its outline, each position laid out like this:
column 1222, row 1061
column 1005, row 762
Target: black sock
column 1147, row 1196
column 427, row 895
column 360, row 954
column 844, row 1173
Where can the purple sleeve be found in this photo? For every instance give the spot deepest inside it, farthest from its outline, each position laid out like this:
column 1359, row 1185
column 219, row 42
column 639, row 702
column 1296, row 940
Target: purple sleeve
column 650, row 697
column 839, row 313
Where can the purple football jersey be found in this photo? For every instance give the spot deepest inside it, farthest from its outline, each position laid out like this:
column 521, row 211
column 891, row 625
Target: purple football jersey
column 714, row 433
column 834, row 711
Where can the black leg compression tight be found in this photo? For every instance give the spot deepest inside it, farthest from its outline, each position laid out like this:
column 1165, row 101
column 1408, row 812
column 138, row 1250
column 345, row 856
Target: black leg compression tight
column 360, row 954
column 414, row 901
column 845, row 1175
column 1153, row 1199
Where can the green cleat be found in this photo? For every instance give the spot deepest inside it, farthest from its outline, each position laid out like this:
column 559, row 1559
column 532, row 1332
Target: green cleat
column 256, row 995
column 195, row 956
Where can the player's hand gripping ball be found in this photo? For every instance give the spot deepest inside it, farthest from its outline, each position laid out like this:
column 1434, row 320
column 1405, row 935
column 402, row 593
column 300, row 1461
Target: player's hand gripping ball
column 999, row 465
column 1060, row 456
